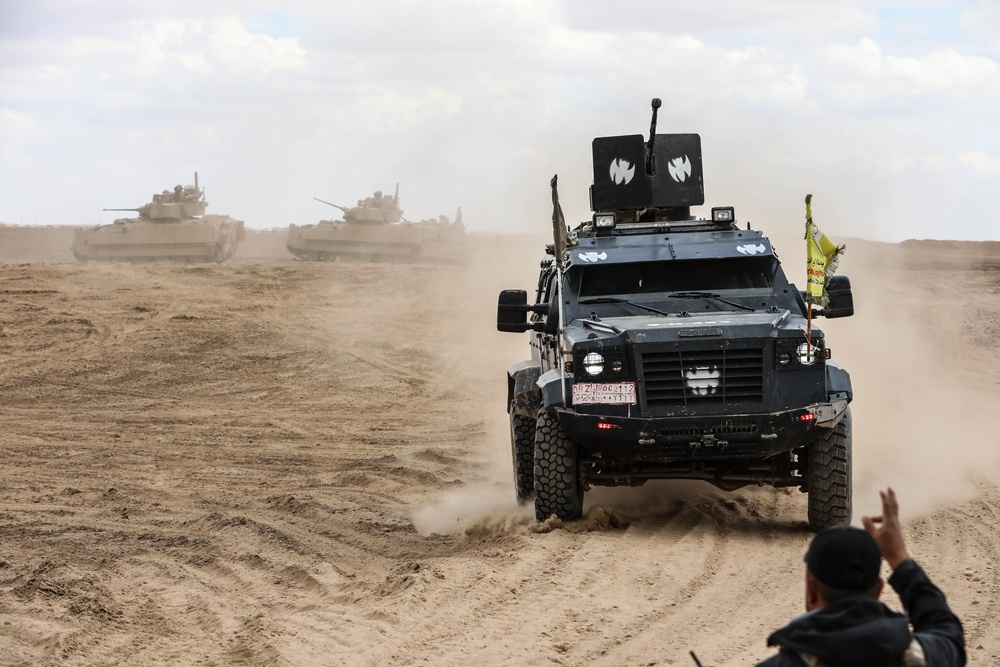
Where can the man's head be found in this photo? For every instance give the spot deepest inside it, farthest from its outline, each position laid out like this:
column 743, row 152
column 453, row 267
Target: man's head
column 842, row 561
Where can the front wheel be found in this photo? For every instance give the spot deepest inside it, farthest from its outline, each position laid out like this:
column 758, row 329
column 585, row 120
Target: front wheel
column 828, row 477
column 556, row 472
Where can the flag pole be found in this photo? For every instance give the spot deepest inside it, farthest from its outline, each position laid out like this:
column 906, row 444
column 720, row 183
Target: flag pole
column 809, row 322
column 822, row 257
column 559, row 250
column 809, row 309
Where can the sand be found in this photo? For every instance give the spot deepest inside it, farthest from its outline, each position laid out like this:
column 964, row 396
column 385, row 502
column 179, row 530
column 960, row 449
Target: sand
column 273, row 462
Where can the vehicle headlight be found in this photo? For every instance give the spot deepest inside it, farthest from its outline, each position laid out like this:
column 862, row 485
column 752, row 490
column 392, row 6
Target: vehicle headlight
column 807, row 354
column 593, row 363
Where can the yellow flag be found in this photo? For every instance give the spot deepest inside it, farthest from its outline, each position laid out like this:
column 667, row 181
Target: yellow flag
column 822, row 257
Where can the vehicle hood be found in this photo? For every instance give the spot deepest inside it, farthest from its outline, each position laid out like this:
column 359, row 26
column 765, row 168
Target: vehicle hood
column 707, row 326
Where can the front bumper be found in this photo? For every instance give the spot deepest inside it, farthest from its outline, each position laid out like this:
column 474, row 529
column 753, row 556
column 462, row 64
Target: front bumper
column 746, row 437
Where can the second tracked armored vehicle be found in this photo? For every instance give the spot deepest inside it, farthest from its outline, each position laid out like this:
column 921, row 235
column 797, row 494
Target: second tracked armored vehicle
column 376, row 231
column 173, row 226
column 665, row 346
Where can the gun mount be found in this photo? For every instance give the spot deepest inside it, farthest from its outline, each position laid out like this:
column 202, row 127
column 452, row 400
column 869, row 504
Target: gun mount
column 651, row 194
column 180, row 203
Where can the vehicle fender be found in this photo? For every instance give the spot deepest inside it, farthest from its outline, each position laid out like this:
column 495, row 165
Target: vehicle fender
column 551, row 386
column 838, row 382
column 522, row 388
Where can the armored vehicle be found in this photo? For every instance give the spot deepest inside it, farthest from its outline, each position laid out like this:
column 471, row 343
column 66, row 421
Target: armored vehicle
column 665, row 346
column 173, row 226
column 375, row 230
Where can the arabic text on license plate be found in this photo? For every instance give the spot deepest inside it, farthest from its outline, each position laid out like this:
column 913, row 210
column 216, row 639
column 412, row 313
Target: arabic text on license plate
column 609, row 393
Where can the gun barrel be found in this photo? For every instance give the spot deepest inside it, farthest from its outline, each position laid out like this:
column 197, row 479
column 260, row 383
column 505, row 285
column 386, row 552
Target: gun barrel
column 330, row 204
column 650, row 161
column 123, row 209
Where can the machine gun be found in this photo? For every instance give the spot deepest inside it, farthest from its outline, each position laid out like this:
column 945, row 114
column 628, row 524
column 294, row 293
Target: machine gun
column 650, row 157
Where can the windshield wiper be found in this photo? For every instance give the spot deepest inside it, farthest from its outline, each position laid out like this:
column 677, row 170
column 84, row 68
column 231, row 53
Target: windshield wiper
column 708, row 295
column 614, row 299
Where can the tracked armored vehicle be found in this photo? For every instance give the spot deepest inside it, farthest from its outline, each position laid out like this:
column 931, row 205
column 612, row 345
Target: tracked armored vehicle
column 665, row 346
column 173, row 226
column 376, row 231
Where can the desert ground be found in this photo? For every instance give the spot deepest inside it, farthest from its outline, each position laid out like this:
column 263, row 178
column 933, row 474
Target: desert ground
column 274, row 462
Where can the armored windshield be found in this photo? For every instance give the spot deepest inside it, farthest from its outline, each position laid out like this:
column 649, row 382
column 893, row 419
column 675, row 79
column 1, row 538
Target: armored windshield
column 750, row 276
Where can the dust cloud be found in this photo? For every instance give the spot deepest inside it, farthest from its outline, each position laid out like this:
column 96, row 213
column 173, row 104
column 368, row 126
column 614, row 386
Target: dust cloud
column 489, row 507
column 923, row 418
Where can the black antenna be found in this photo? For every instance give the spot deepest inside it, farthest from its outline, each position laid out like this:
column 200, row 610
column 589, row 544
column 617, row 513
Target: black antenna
column 650, row 161
column 693, row 656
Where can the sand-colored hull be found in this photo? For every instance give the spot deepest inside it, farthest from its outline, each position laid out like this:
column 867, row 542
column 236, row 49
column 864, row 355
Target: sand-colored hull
column 348, row 241
column 212, row 238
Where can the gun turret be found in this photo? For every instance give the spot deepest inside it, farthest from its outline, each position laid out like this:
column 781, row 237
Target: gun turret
column 664, row 191
column 330, row 204
column 182, row 203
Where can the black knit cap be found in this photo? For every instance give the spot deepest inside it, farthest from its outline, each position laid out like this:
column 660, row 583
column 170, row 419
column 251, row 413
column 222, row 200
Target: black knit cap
column 844, row 558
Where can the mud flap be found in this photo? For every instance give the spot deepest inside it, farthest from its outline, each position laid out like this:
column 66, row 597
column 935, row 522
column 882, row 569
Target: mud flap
column 523, row 394
column 838, row 381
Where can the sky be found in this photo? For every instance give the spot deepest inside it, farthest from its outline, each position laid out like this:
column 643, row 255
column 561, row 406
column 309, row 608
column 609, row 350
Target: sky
column 880, row 110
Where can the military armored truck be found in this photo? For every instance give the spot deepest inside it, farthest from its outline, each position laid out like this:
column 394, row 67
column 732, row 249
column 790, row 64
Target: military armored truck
column 669, row 346
column 375, row 230
column 173, row 226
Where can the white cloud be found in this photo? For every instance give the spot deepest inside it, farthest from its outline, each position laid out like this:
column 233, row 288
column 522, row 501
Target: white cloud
column 983, row 165
column 876, row 74
column 18, row 132
column 478, row 103
column 983, row 19
column 167, row 49
column 898, row 162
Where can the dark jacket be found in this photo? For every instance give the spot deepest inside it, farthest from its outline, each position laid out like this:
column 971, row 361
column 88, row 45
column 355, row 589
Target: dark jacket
column 859, row 631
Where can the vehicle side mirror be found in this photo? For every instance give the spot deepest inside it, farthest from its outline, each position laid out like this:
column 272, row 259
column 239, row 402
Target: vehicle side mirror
column 513, row 309
column 841, row 302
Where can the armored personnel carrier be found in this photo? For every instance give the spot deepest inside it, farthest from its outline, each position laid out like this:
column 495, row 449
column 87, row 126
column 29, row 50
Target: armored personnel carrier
column 665, row 346
column 376, row 231
column 173, row 226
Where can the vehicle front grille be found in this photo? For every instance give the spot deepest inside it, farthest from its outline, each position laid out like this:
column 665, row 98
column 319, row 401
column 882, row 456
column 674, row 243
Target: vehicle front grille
column 703, row 377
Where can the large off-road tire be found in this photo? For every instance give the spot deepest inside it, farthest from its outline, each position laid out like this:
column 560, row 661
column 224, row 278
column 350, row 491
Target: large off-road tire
column 556, row 472
column 522, row 449
column 828, row 477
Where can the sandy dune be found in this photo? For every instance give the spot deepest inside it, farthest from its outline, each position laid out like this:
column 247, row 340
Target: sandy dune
column 270, row 462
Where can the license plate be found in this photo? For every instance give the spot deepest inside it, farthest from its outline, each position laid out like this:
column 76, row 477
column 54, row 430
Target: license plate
column 606, row 393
